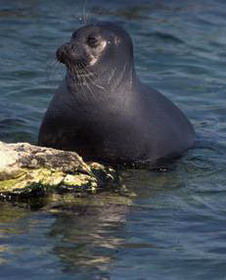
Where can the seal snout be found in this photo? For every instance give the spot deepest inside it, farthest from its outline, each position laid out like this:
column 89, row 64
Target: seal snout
column 61, row 53
column 65, row 52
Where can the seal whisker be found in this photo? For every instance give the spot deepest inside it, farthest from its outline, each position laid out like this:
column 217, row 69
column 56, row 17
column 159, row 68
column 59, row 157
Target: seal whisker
column 87, row 84
column 52, row 70
column 95, row 75
column 84, row 82
column 77, row 83
column 91, row 91
column 80, row 84
column 112, row 75
column 122, row 73
column 93, row 82
column 88, row 72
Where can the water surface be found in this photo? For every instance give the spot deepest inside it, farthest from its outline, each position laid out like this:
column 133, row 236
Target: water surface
column 175, row 227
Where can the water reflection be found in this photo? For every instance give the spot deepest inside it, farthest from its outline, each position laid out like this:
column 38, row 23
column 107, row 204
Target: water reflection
column 9, row 215
column 90, row 235
column 90, row 232
column 80, row 237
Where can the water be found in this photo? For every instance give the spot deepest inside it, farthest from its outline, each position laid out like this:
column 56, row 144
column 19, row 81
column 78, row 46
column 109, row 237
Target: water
column 175, row 227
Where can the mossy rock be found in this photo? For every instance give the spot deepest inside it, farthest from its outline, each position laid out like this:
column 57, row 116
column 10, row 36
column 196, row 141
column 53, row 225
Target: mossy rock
column 28, row 170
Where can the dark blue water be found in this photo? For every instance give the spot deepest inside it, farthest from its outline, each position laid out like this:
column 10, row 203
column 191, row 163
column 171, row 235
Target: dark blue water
column 175, row 228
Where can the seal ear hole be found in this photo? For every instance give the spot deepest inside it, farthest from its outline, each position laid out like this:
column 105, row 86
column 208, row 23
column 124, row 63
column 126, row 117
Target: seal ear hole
column 92, row 41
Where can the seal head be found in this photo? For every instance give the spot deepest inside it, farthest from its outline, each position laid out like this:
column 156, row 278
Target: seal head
column 92, row 49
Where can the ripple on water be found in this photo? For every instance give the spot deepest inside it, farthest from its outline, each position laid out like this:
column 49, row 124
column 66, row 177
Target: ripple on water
column 174, row 228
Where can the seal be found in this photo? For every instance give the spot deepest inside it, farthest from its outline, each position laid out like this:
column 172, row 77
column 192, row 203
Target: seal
column 102, row 111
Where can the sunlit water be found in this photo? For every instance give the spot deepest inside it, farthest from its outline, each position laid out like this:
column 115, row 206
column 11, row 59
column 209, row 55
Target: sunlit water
column 175, row 228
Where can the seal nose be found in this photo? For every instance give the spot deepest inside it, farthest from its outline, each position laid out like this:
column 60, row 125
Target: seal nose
column 64, row 51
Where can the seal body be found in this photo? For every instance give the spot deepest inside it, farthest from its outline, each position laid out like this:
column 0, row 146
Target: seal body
column 101, row 109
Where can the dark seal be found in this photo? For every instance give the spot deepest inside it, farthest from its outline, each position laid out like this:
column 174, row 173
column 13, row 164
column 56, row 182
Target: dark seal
column 102, row 110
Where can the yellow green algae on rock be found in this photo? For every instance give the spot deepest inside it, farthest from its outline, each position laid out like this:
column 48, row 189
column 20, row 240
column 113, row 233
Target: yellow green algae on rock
column 26, row 168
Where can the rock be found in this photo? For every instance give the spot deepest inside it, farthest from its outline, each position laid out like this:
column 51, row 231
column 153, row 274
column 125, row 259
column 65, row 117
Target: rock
column 28, row 170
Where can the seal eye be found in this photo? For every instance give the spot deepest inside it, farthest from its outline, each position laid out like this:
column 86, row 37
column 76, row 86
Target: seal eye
column 92, row 41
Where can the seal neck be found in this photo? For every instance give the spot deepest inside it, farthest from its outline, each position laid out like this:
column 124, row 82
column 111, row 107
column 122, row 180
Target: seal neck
column 106, row 83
